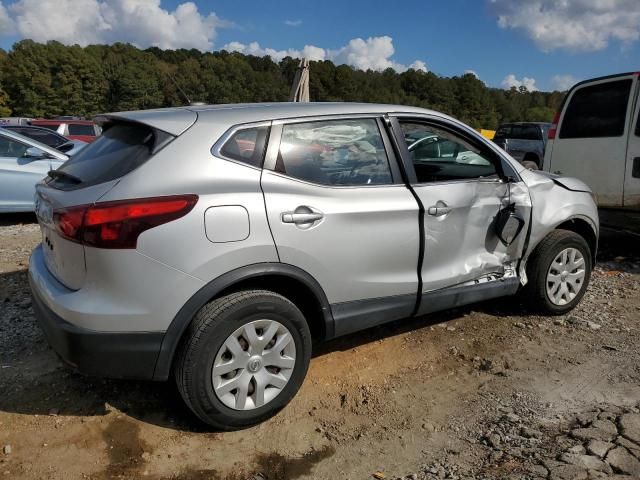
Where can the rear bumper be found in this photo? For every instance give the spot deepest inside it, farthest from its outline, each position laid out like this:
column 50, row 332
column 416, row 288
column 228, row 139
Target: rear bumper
column 105, row 354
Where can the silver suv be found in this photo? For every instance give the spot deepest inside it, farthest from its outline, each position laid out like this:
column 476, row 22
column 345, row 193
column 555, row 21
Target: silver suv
column 215, row 243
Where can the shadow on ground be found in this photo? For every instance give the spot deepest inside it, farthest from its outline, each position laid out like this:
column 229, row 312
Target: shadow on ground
column 34, row 381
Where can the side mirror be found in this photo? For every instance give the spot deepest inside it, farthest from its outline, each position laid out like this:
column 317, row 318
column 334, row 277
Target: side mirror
column 508, row 225
column 35, row 153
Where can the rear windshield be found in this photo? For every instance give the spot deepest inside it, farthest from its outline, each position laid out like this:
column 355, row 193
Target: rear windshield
column 75, row 129
column 520, row 132
column 122, row 148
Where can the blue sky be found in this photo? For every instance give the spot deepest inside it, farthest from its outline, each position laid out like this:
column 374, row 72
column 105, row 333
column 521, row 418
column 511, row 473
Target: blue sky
column 543, row 44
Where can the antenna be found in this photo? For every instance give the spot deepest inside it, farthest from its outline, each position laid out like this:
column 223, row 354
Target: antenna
column 178, row 87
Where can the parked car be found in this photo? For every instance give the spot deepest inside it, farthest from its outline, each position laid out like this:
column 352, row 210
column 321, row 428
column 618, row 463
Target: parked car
column 23, row 163
column 596, row 137
column 48, row 137
column 214, row 243
column 84, row 130
column 524, row 141
column 14, row 121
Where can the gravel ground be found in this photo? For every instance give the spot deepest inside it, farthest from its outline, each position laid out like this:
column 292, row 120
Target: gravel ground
column 484, row 392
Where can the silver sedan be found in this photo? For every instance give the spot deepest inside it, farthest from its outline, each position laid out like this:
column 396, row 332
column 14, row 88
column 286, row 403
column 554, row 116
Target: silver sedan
column 23, row 163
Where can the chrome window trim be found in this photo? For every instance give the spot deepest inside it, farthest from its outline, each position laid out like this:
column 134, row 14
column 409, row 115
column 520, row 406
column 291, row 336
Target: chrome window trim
column 220, row 143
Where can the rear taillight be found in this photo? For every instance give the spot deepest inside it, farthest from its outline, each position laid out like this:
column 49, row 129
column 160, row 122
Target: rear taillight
column 554, row 127
column 119, row 224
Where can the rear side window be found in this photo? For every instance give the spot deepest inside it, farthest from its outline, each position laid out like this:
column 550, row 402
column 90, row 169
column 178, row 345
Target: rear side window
column 247, row 146
column 597, row 111
column 334, row 152
column 44, row 136
column 75, row 129
column 122, row 148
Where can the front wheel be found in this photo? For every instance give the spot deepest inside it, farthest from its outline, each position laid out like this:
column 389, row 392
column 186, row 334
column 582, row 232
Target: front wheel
column 558, row 271
column 243, row 358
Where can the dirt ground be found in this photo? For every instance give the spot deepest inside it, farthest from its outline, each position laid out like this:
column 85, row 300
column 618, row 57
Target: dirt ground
column 483, row 392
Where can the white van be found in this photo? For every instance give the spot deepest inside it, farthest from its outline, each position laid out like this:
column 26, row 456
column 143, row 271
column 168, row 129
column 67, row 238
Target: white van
column 596, row 138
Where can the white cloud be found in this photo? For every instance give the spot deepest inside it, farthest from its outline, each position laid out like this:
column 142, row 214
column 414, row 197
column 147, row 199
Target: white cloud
column 7, row 26
column 141, row 22
column 293, row 23
column 419, row 65
column 511, row 81
column 472, row 72
column 574, row 25
column 373, row 53
column 563, row 82
column 309, row 51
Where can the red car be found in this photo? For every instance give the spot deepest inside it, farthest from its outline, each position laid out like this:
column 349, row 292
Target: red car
column 84, row 130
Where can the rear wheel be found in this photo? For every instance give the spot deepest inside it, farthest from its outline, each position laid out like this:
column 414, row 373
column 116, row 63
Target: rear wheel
column 530, row 165
column 243, row 358
column 558, row 271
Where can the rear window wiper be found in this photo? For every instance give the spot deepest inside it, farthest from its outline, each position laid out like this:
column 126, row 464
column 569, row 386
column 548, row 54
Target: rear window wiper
column 59, row 174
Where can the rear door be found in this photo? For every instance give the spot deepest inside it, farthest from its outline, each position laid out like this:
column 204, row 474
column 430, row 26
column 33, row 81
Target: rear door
column 591, row 143
column 632, row 172
column 338, row 209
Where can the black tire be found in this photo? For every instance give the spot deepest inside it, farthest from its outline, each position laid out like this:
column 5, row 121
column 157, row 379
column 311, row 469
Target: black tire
column 210, row 328
column 530, row 165
column 538, row 265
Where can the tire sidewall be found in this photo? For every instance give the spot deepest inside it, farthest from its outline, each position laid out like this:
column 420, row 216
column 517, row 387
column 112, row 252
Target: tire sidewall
column 271, row 307
column 547, row 257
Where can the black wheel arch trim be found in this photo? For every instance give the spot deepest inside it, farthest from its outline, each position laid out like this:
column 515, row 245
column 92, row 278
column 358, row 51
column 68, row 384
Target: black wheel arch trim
column 184, row 316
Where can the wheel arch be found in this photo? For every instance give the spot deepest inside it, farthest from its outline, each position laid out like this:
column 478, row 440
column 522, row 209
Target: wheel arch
column 287, row 280
column 583, row 228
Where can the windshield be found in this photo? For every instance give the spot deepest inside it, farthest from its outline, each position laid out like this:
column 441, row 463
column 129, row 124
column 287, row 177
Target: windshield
column 122, row 148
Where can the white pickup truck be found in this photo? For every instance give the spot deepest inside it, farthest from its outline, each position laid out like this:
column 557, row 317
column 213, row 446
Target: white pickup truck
column 596, row 137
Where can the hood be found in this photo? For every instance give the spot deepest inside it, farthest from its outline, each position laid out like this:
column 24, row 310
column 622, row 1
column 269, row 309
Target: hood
column 569, row 183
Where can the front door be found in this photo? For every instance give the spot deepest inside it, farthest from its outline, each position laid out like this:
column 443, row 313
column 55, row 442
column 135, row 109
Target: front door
column 458, row 180
column 591, row 142
column 19, row 175
column 632, row 171
column 338, row 210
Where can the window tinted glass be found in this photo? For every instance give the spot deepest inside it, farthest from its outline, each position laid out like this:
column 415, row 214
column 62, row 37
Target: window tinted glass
column 597, row 111
column 11, row 148
column 247, row 145
column 120, row 149
column 439, row 155
column 75, row 129
column 44, row 136
column 48, row 126
column 335, row 152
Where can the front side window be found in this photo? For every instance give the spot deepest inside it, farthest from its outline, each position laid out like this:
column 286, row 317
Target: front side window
column 439, row 155
column 334, row 152
column 597, row 111
column 247, row 146
column 11, row 149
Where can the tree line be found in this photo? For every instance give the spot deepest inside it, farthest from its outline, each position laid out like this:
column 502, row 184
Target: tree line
column 46, row 80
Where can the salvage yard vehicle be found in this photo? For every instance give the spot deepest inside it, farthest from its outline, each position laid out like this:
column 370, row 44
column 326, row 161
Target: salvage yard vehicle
column 215, row 243
column 84, row 130
column 596, row 137
column 23, row 163
column 524, row 141
column 48, row 137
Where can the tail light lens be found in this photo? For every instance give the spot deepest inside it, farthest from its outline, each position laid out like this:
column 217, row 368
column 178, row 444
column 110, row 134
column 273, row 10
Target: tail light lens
column 554, row 127
column 119, row 224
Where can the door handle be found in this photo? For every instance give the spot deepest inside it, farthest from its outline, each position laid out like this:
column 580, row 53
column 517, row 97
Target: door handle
column 438, row 211
column 301, row 218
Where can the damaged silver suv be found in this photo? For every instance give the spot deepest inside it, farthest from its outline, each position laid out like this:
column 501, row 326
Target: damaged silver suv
column 215, row 243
